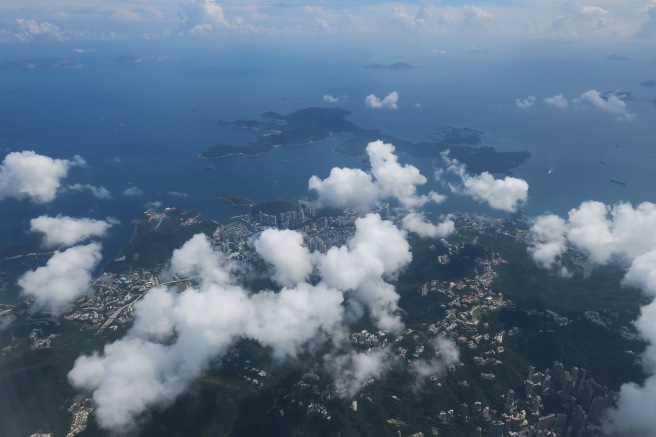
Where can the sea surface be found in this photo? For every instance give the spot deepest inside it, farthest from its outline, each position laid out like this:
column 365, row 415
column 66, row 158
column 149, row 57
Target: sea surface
column 143, row 124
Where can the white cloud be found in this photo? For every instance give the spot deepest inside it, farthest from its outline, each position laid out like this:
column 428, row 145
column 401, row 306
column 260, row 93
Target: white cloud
column 548, row 233
column 417, row 223
column 505, row 194
column 67, row 231
column 205, row 16
column 611, row 104
column 356, row 189
column 648, row 28
column 196, row 258
column 176, row 335
column 350, row 371
column 389, row 102
column 27, row 175
column 125, row 14
column 604, row 232
column 64, row 278
column 446, row 354
column 610, row 20
column 286, row 252
column 330, row 98
column 441, row 18
column 377, row 250
column 397, row 181
column 98, row 192
column 525, row 103
column 133, row 191
column 345, row 188
column 558, row 101
column 28, row 30
column 614, row 234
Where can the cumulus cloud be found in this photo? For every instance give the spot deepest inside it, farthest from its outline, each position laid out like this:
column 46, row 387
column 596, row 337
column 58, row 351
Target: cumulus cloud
column 505, row 194
column 558, row 101
column 98, row 192
column 417, row 223
column 397, row 181
column 330, row 99
column 285, row 251
column 464, row 17
column 620, row 234
column 64, row 278
column 525, row 103
column 28, row 175
column 611, row 104
column 389, row 102
column 648, row 28
column 67, row 231
column 548, row 234
column 377, row 250
column 359, row 190
column 176, row 335
column 29, row 30
column 345, row 188
column 133, row 191
column 205, row 16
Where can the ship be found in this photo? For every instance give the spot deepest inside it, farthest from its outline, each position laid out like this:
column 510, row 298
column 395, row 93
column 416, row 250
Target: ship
column 618, row 182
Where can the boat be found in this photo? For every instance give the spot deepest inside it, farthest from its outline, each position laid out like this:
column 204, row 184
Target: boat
column 615, row 181
column 209, row 167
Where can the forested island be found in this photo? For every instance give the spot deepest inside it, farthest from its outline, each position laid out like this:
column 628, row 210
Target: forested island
column 311, row 125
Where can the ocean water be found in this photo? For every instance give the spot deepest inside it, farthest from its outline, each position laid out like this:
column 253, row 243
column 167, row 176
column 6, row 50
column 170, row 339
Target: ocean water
column 144, row 124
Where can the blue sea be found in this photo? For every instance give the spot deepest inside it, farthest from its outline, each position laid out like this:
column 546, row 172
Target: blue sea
column 143, row 124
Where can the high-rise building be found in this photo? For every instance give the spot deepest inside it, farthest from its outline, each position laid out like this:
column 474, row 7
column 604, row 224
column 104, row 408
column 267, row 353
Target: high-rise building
column 568, row 386
column 579, row 380
column 528, row 387
column 463, row 412
column 560, row 423
column 597, row 407
column 510, row 398
column 557, row 373
column 495, row 429
column 579, row 418
column 536, row 405
column 545, row 423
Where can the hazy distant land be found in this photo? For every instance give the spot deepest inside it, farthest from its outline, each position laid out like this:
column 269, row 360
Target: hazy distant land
column 40, row 64
column 397, row 66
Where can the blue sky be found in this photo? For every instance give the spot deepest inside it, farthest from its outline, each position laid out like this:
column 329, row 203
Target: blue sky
column 601, row 21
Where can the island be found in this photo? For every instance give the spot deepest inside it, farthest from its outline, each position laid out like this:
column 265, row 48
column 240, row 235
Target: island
column 237, row 201
column 130, row 59
column 397, row 66
column 40, row 64
column 311, row 125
